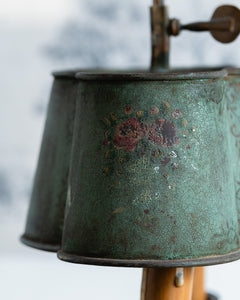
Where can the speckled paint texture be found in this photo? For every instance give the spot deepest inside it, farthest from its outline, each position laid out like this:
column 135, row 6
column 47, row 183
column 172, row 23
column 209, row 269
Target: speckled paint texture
column 151, row 173
column 233, row 106
column 46, row 211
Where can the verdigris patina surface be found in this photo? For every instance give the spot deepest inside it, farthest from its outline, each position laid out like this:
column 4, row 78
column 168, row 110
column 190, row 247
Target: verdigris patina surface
column 233, row 105
column 151, row 173
column 46, row 211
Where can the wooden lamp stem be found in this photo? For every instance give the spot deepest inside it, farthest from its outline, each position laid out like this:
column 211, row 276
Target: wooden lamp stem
column 198, row 285
column 173, row 284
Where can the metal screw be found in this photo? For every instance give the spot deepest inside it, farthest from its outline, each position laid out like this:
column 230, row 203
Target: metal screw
column 179, row 278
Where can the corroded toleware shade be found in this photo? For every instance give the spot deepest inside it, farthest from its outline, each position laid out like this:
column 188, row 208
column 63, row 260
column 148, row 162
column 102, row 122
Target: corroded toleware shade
column 46, row 211
column 151, row 180
column 233, row 106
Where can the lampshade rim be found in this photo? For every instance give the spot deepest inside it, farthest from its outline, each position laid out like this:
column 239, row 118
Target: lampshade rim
column 141, row 74
column 233, row 71
column 151, row 263
column 40, row 245
column 149, row 76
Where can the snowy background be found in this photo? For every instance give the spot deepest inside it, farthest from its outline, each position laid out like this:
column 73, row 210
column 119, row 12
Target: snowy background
column 37, row 37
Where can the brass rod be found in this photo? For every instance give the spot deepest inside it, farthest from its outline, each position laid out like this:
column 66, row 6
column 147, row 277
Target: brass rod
column 223, row 24
column 160, row 38
column 158, row 2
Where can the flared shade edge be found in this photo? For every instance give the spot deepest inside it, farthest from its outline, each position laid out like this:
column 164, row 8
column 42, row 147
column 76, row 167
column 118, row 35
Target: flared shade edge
column 45, row 246
column 178, row 263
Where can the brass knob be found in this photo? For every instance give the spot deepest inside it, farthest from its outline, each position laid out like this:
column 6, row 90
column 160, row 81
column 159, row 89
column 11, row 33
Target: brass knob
column 224, row 25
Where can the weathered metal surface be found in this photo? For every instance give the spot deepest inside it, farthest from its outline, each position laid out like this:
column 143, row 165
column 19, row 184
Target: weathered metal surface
column 233, row 106
column 46, row 212
column 151, row 174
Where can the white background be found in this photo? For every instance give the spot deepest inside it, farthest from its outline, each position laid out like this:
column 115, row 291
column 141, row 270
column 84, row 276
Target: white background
column 35, row 38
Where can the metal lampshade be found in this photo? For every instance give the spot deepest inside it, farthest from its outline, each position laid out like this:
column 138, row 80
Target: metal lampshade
column 46, row 211
column 152, row 172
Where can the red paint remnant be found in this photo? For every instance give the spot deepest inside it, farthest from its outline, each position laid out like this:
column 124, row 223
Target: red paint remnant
column 128, row 110
column 146, row 211
column 188, row 147
column 155, row 134
column 163, row 133
column 129, row 133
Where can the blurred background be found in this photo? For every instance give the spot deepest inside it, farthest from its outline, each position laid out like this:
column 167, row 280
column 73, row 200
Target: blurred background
column 37, row 37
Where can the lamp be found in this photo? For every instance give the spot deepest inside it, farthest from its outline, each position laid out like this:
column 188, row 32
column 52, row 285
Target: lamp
column 149, row 172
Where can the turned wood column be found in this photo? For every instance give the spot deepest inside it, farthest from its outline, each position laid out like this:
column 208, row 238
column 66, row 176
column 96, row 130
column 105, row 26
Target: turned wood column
column 160, row 284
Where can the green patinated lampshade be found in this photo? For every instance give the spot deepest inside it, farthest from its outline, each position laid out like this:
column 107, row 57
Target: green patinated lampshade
column 151, row 181
column 46, row 211
column 153, row 171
